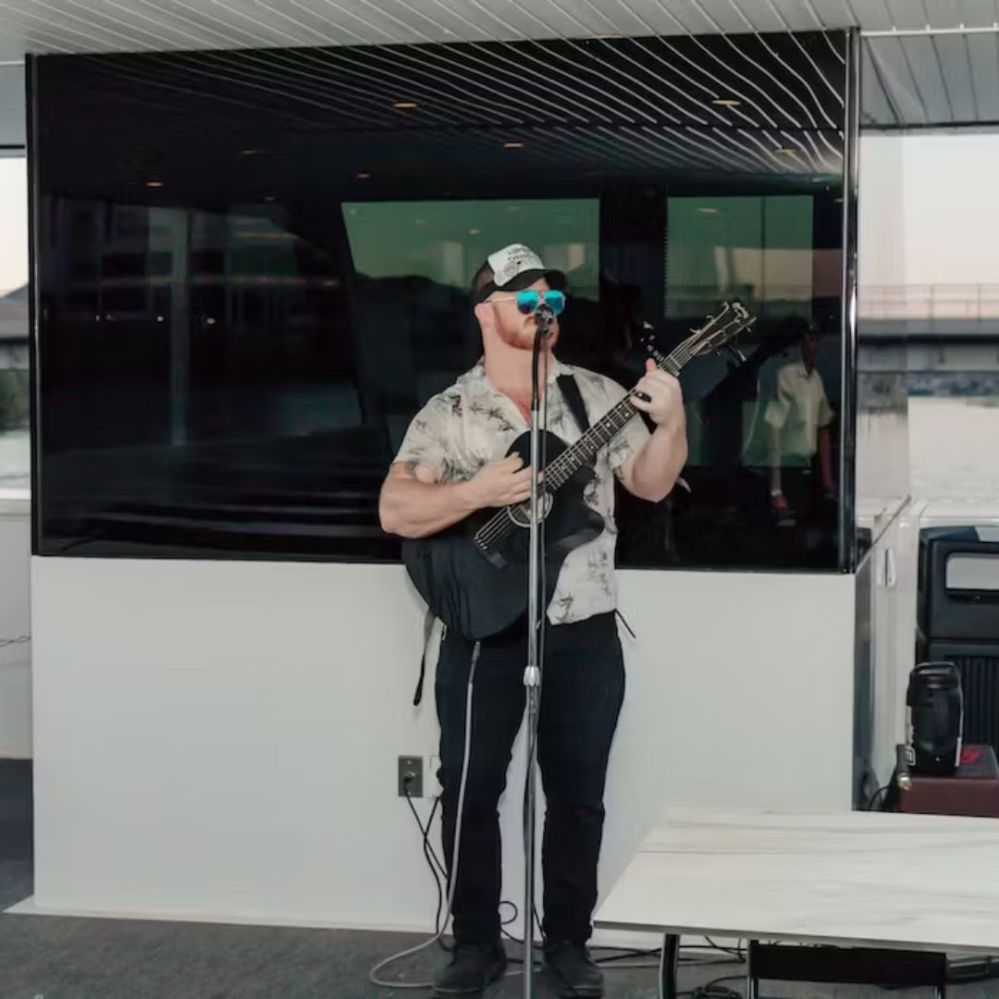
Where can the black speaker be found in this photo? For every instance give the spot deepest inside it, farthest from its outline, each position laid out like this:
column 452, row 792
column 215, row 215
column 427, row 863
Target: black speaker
column 959, row 618
column 936, row 718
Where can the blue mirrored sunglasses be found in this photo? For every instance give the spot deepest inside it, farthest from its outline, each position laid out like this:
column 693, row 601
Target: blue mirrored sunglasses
column 529, row 300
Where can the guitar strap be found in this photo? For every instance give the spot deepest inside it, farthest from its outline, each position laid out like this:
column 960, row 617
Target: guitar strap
column 574, row 400
column 428, row 627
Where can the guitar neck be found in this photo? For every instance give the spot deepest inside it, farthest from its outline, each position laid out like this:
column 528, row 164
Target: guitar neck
column 600, row 434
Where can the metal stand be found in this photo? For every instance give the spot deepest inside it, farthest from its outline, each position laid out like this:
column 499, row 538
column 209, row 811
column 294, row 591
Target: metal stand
column 532, row 672
column 669, row 965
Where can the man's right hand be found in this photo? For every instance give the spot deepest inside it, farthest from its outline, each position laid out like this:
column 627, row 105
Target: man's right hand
column 501, row 483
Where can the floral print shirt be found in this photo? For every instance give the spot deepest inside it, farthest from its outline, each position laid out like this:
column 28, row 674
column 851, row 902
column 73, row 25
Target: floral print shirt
column 470, row 423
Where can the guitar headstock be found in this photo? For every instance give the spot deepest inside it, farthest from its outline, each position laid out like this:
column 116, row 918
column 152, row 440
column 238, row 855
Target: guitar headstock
column 717, row 332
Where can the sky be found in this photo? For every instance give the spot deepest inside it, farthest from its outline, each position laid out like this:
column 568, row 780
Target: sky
column 13, row 224
column 950, row 191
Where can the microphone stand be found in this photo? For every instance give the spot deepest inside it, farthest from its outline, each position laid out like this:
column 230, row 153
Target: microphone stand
column 532, row 673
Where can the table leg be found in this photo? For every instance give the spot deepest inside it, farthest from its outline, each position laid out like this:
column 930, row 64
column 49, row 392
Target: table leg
column 668, row 966
column 752, row 982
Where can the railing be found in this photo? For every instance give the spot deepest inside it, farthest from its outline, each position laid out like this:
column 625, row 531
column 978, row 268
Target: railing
column 929, row 301
column 918, row 302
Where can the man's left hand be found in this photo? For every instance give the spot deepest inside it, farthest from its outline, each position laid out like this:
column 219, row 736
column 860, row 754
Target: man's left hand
column 665, row 397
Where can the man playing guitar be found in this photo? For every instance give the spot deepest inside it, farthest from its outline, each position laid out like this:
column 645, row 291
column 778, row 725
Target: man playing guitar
column 451, row 464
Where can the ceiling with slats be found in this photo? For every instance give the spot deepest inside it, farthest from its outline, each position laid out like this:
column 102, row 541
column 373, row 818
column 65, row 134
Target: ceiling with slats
column 911, row 78
column 718, row 106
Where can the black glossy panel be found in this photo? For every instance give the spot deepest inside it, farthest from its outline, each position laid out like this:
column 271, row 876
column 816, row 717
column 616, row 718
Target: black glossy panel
column 253, row 269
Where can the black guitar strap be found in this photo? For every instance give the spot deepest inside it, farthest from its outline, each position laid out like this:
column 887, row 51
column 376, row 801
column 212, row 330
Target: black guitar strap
column 428, row 627
column 574, row 400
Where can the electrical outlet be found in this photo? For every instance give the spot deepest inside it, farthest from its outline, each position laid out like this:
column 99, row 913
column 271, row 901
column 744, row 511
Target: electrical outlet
column 411, row 776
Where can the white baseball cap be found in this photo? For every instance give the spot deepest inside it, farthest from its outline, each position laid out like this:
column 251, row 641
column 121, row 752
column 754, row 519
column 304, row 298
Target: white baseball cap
column 513, row 268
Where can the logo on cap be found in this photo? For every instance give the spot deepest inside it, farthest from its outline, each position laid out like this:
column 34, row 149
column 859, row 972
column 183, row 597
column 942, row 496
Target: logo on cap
column 512, row 260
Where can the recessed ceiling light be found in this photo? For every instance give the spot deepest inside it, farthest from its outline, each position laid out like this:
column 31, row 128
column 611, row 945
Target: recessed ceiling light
column 362, row 176
column 405, row 105
column 513, row 145
column 154, row 183
column 708, row 211
column 726, row 102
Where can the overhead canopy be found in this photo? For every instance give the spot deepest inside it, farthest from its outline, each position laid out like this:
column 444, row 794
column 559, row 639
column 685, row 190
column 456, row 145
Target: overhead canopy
column 927, row 63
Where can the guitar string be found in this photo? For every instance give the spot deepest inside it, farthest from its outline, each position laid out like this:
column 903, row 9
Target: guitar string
column 501, row 522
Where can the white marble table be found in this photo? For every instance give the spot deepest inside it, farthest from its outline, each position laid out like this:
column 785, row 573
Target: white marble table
column 858, row 880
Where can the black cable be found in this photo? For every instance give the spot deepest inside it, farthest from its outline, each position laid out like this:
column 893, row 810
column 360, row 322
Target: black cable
column 433, row 862
column 617, row 954
column 625, row 955
column 715, row 990
column 737, row 953
column 438, row 870
column 871, row 801
column 430, row 853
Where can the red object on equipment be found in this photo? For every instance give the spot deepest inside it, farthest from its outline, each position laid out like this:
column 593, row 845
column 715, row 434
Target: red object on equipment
column 972, row 791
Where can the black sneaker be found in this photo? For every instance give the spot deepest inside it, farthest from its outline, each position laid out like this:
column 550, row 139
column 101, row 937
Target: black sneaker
column 575, row 975
column 472, row 968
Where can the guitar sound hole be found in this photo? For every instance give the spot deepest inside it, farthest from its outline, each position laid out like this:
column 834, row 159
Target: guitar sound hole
column 521, row 514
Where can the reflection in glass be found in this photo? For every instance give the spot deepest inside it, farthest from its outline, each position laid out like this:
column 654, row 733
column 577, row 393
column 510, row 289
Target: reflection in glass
column 254, row 269
column 762, row 429
column 14, row 388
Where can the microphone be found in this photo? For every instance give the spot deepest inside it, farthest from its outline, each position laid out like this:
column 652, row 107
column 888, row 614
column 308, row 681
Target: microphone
column 544, row 316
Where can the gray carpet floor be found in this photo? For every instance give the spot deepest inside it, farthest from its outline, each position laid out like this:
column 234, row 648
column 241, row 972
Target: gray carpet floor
column 43, row 957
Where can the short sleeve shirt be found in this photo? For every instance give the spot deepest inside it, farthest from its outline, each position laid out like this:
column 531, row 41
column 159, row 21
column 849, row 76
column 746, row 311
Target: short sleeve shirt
column 471, row 423
column 799, row 409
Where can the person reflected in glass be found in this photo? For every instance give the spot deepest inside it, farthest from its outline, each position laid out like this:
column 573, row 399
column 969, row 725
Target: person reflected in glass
column 800, row 440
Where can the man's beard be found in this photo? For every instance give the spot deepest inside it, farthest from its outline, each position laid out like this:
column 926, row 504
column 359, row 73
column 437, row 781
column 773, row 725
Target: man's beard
column 521, row 338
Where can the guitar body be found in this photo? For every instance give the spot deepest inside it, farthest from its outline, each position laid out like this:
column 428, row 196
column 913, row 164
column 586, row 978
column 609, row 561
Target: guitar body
column 478, row 585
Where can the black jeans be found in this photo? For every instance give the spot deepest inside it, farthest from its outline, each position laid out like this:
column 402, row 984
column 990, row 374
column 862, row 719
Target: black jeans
column 581, row 695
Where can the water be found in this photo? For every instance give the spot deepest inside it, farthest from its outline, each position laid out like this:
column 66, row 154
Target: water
column 15, row 459
column 954, row 448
